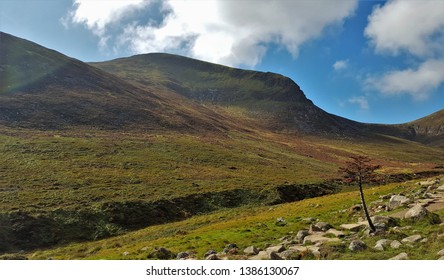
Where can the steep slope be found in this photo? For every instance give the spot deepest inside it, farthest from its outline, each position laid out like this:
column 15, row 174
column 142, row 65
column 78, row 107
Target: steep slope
column 41, row 88
column 429, row 130
column 272, row 99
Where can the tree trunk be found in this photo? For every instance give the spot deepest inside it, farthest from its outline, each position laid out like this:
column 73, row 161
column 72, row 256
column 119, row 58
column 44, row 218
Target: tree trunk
column 370, row 223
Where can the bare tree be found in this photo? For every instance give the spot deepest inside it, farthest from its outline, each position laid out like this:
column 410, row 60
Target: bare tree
column 359, row 171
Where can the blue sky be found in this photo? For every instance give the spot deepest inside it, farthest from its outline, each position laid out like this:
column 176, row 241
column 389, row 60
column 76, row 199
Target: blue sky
column 370, row 61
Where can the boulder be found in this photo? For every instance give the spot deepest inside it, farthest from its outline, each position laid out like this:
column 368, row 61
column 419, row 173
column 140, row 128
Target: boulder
column 395, row 244
column 261, row 256
column 357, row 245
column 352, row 227
column 210, row 252
column 301, row 235
column 290, row 255
column 397, row 201
column 336, row 232
column 382, row 244
column 161, row 254
column 276, row 249
column 389, row 221
column 212, row 257
column 183, row 255
column 274, row 256
column 401, row 256
column 320, row 226
column 299, row 248
column 419, row 212
column 412, row 239
column 318, row 239
column 251, row 250
column 441, row 253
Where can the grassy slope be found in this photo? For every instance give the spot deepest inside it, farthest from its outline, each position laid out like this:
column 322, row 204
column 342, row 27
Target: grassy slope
column 253, row 226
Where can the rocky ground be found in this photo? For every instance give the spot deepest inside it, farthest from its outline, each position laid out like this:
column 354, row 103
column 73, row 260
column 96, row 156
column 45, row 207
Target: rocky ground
column 320, row 237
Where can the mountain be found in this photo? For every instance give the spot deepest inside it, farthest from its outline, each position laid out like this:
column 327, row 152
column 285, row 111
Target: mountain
column 41, row 88
column 273, row 99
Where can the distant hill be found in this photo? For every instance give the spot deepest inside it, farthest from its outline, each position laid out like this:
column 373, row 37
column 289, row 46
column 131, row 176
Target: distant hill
column 42, row 88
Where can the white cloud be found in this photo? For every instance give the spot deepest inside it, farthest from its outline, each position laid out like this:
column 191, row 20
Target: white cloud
column 416, row 82
column 340, row 65
column 228, row 32
column 415, row 28
column 361, row 101
column 97, row 14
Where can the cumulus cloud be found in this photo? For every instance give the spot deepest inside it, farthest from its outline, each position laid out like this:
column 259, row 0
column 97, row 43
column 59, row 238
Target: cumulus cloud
column 228, row 32
column 416, row 82
column 414, row 28
column 340, row 65
column 361, row 101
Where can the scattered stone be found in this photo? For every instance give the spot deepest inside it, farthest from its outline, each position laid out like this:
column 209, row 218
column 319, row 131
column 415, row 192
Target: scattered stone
column 144, row 249
column 315, row 250
column 161, row 254
column 357, row 245
column 126, row 253
column 336, row 232
column 233, row 251
column 397, row 201
column 299, row 248
column 395, row 244
column 183, row 255
column 301, row 235
column 352, row 227
column 441, row 258
column 285, row 238
column 251, row 250
column 210, row 252
column 441, row 253
column 231, row 246
column 440, row 188
column 276, row 249
column 401, row 256
column 382, row 244
column 412, row 239
column 212, row 257
column 355, row 208
column 320, row 226
column 290, row 255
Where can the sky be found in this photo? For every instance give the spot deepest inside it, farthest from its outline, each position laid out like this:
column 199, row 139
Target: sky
column 369, row 61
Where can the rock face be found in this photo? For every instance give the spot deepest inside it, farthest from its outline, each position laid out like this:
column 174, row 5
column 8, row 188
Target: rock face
column 357, row 245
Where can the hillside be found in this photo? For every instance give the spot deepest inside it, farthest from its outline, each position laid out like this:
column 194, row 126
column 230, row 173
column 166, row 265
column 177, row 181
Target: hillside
column 272, row 99
column 96, row 150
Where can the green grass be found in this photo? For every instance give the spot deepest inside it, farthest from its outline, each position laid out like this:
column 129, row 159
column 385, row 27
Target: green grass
column 247, row 226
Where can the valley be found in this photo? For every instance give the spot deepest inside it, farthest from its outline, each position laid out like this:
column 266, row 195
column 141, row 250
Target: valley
column 160, row 142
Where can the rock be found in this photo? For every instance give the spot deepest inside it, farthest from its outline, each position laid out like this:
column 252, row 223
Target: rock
column 352, row 227
column 182, row 255
column 274, row 256
column 441, row 258
column 276, row 249
column 395, row 244
column 233, row 251
column 440, row 188
column 319, row 238
column 397, row 201
column 401, row 256
column 357, row 245
column 126, row 253
column 161, row 254
column 261, row 256
column 441, row 253
column 285, row 238
column 412, row 239
column 382, row 244
column 299, row 248
column 320, row 226
column 290, row 255
column 301, row 235
column 212, row 257
column 210, row 252
column 355, row 208
column 336, row 232
column 389, row 221
column 315, row 250
column 281, row 222
column 231, row 246
column 418, row 213
column 309, row 220
column 251, row 250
